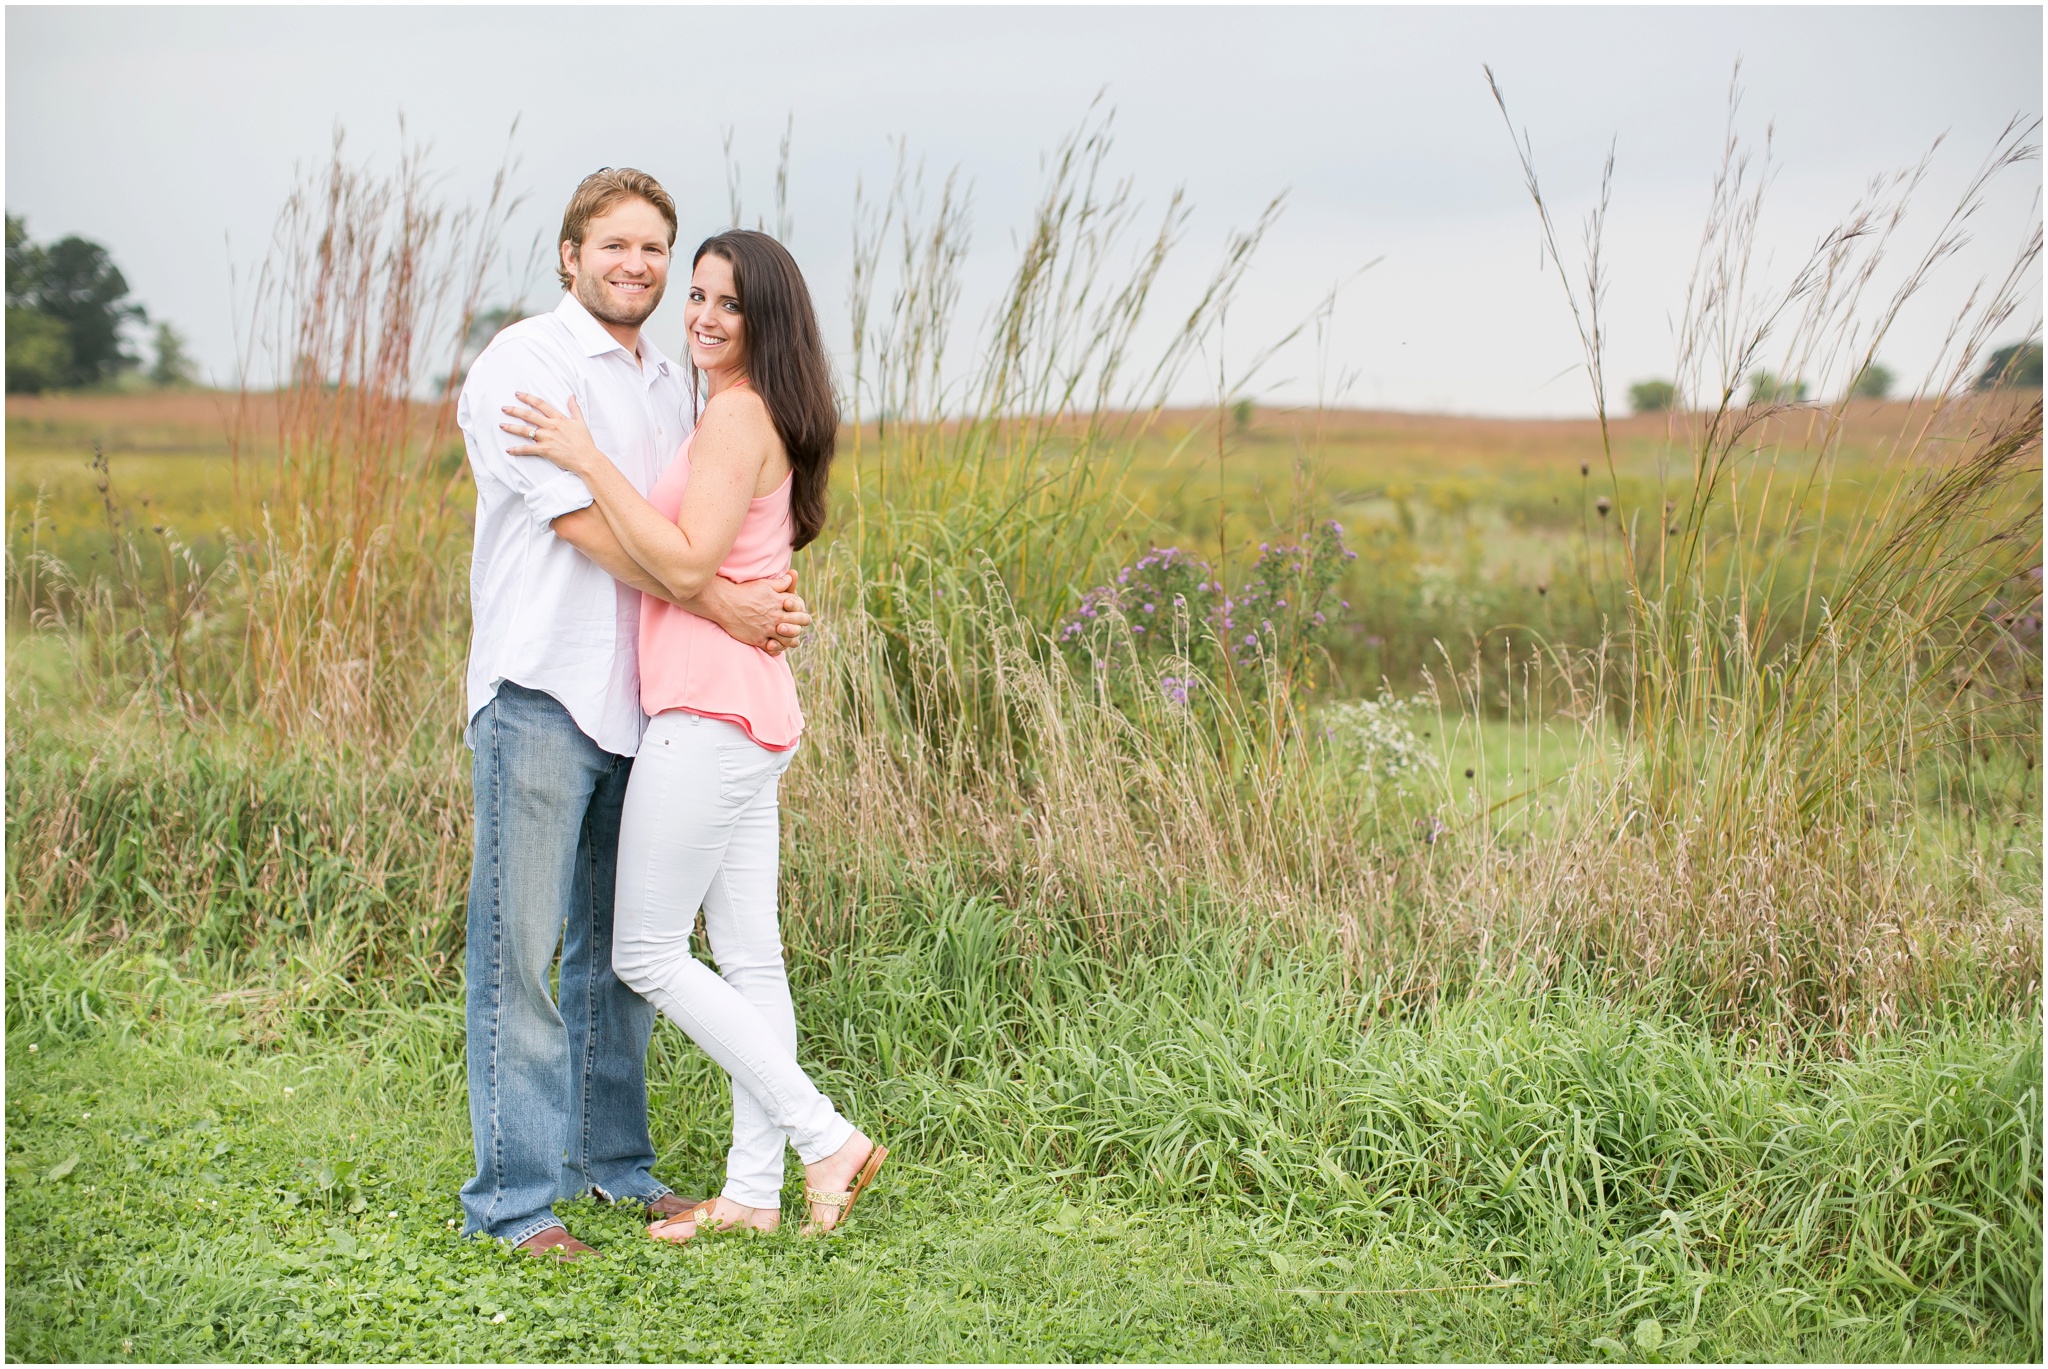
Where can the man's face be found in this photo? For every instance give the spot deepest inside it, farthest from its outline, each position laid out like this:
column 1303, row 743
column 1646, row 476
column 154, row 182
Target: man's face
column 622, row 267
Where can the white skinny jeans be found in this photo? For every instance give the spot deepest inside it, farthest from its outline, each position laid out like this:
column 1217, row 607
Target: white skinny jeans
column 700, row 829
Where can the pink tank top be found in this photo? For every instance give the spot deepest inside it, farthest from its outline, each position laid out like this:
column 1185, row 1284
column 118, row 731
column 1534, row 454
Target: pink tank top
column 690, row 664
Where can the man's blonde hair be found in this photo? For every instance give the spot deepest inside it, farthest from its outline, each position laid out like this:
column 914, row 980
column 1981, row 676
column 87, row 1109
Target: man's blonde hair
column 602, row 191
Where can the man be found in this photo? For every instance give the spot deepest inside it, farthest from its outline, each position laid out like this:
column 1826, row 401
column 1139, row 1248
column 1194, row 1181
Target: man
column 558, row 1096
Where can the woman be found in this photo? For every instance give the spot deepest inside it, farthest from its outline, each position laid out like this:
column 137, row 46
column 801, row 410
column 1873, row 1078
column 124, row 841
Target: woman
column 700, row 822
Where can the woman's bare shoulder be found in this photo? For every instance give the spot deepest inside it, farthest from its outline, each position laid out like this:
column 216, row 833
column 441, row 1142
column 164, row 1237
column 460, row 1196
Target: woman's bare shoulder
column 737, row 433
column 739, row 410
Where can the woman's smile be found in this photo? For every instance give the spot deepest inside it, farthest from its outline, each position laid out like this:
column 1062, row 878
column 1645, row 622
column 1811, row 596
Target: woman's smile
column 716, row 321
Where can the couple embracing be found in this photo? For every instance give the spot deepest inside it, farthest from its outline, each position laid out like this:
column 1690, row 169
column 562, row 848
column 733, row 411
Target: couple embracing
column 631, row 711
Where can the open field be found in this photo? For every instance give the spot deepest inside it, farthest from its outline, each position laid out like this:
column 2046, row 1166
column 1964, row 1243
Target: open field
column 1219, row 1114
column 1308, row 886
column 1355, row 464
column 168, row 464
column 1210, row 1155
column 1465, row 526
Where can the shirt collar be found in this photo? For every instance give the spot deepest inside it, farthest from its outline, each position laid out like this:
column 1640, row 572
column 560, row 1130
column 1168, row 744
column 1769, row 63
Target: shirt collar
column 591, row 336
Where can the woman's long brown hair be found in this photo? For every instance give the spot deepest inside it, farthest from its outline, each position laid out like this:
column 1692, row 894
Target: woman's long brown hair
column 786, row 364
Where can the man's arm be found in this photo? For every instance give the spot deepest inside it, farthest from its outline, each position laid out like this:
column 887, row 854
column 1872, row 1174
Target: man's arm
column 758, row 614
column 586, row 530
column 762, row 613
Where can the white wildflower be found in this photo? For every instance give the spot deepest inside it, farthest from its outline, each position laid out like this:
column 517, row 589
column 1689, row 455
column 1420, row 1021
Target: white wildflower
column 1378, row 738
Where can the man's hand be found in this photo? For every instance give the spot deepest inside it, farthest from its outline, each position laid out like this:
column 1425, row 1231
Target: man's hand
column 762, row 613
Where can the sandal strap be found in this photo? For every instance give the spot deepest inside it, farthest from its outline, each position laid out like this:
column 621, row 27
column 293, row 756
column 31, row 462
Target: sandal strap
column 819, row 1195
column 699, row 1215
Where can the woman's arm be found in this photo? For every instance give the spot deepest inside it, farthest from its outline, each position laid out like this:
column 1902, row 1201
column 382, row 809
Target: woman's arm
column 726, row 457
column 768, row 614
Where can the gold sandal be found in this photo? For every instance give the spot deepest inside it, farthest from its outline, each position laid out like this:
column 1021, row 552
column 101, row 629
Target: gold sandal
column 845, row 1201
column 698, row 1216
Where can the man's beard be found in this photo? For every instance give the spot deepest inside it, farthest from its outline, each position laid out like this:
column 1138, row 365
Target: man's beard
column 591, row 294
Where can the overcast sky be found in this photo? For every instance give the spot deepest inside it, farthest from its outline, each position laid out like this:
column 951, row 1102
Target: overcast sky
column 172, row 135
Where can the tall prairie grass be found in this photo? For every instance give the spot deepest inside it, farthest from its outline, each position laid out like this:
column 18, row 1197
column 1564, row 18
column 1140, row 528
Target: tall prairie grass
column 345, row 499
column 1797, row 789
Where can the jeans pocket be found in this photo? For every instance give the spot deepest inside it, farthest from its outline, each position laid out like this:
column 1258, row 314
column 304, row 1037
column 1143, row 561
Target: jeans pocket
column 744, row 766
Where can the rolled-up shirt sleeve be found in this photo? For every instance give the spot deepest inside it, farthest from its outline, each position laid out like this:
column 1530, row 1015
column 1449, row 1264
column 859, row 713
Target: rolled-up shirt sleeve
column 563, row 493
column 505, row 368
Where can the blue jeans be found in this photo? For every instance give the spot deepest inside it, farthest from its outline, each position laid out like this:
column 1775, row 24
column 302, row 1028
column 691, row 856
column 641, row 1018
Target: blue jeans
column 557, row 1098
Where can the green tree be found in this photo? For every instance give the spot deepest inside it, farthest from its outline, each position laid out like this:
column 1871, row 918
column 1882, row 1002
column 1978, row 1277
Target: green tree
column 38, row 348
column 1765, row 388
column 74, row 284
column 83, row 289
column 24, row 264
column 2015, row 367
column 38, row 352
column 1652, row 396
column 1874, row 383
column 175, row 367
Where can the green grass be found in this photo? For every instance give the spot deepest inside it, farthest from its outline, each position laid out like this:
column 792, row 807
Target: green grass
column 1213, row 1153
column 1457, row 521
column 1687, row 1007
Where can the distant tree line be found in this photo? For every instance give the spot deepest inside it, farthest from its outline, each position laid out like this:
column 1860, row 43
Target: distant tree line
column 68, row 309
column 2015, row 367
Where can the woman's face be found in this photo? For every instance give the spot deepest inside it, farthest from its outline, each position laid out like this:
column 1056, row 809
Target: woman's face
column 718, row 331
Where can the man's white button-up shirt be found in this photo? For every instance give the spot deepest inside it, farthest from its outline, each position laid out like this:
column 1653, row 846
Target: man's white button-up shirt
column 542, row 614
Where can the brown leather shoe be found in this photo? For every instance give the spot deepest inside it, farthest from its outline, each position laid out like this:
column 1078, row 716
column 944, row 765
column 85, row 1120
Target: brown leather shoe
column 669, row 1205
column 557, row 1242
